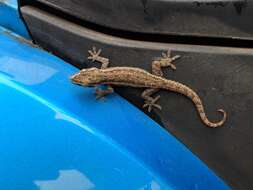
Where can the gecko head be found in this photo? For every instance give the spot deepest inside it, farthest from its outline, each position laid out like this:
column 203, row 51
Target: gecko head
column 87, row 77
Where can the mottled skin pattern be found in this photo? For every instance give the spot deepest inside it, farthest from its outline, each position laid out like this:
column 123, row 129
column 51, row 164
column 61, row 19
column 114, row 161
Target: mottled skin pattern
column 139, row 78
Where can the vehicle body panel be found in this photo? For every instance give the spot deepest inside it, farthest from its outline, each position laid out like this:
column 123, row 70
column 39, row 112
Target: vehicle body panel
column 56, row 135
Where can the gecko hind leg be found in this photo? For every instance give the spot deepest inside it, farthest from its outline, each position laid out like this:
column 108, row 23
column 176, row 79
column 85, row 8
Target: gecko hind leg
column 100, row 93
column 150, row 102
column 164, row 61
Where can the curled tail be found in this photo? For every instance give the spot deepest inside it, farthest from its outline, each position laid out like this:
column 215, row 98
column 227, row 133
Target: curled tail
column 205, row 119
column 178, row 87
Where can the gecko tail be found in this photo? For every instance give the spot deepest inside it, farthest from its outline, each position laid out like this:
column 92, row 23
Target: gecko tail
column 188, row 92
column 217, row 124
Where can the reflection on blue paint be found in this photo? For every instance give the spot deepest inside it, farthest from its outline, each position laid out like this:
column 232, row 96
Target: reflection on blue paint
column 54, row 134
column 67, row 179
column 19, row 72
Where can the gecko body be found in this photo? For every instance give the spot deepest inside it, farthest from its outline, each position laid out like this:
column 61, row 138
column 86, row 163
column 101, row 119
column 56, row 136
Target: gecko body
column 139, row 78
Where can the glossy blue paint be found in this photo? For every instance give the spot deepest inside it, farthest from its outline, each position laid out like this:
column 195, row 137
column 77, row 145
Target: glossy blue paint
column 10, row 19
column 56, row 135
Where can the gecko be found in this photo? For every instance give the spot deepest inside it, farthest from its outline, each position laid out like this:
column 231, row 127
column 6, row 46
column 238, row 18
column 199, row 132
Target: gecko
column 139, row 78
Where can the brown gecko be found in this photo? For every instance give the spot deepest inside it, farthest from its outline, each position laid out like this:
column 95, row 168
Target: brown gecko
column 139, row 78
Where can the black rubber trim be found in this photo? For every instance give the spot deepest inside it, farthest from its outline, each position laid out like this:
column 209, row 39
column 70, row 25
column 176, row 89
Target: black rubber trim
column 179, row 39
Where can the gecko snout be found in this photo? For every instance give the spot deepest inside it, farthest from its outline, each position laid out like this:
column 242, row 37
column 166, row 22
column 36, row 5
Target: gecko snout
column 77, row 79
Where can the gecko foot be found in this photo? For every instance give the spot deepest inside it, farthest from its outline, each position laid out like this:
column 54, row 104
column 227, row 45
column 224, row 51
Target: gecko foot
column 166, row 60
column 102, row 93
column 152, row 103
column 94, row 54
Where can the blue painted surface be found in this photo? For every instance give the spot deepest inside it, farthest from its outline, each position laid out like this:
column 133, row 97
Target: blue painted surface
column 9, row 17
column 56, row 135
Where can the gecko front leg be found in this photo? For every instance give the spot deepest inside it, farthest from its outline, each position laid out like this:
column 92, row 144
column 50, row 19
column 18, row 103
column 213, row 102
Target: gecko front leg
column 95, row 56
column 100, row 93
column 164, row 61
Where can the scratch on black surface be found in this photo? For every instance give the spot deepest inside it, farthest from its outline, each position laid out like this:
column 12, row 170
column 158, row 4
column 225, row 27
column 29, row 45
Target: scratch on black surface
column 214, row 4
column 240, row 5
column 144, row 3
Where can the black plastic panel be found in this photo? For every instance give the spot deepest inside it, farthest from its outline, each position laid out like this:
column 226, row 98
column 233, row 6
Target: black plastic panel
column 223, row 78
column 223, row 18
